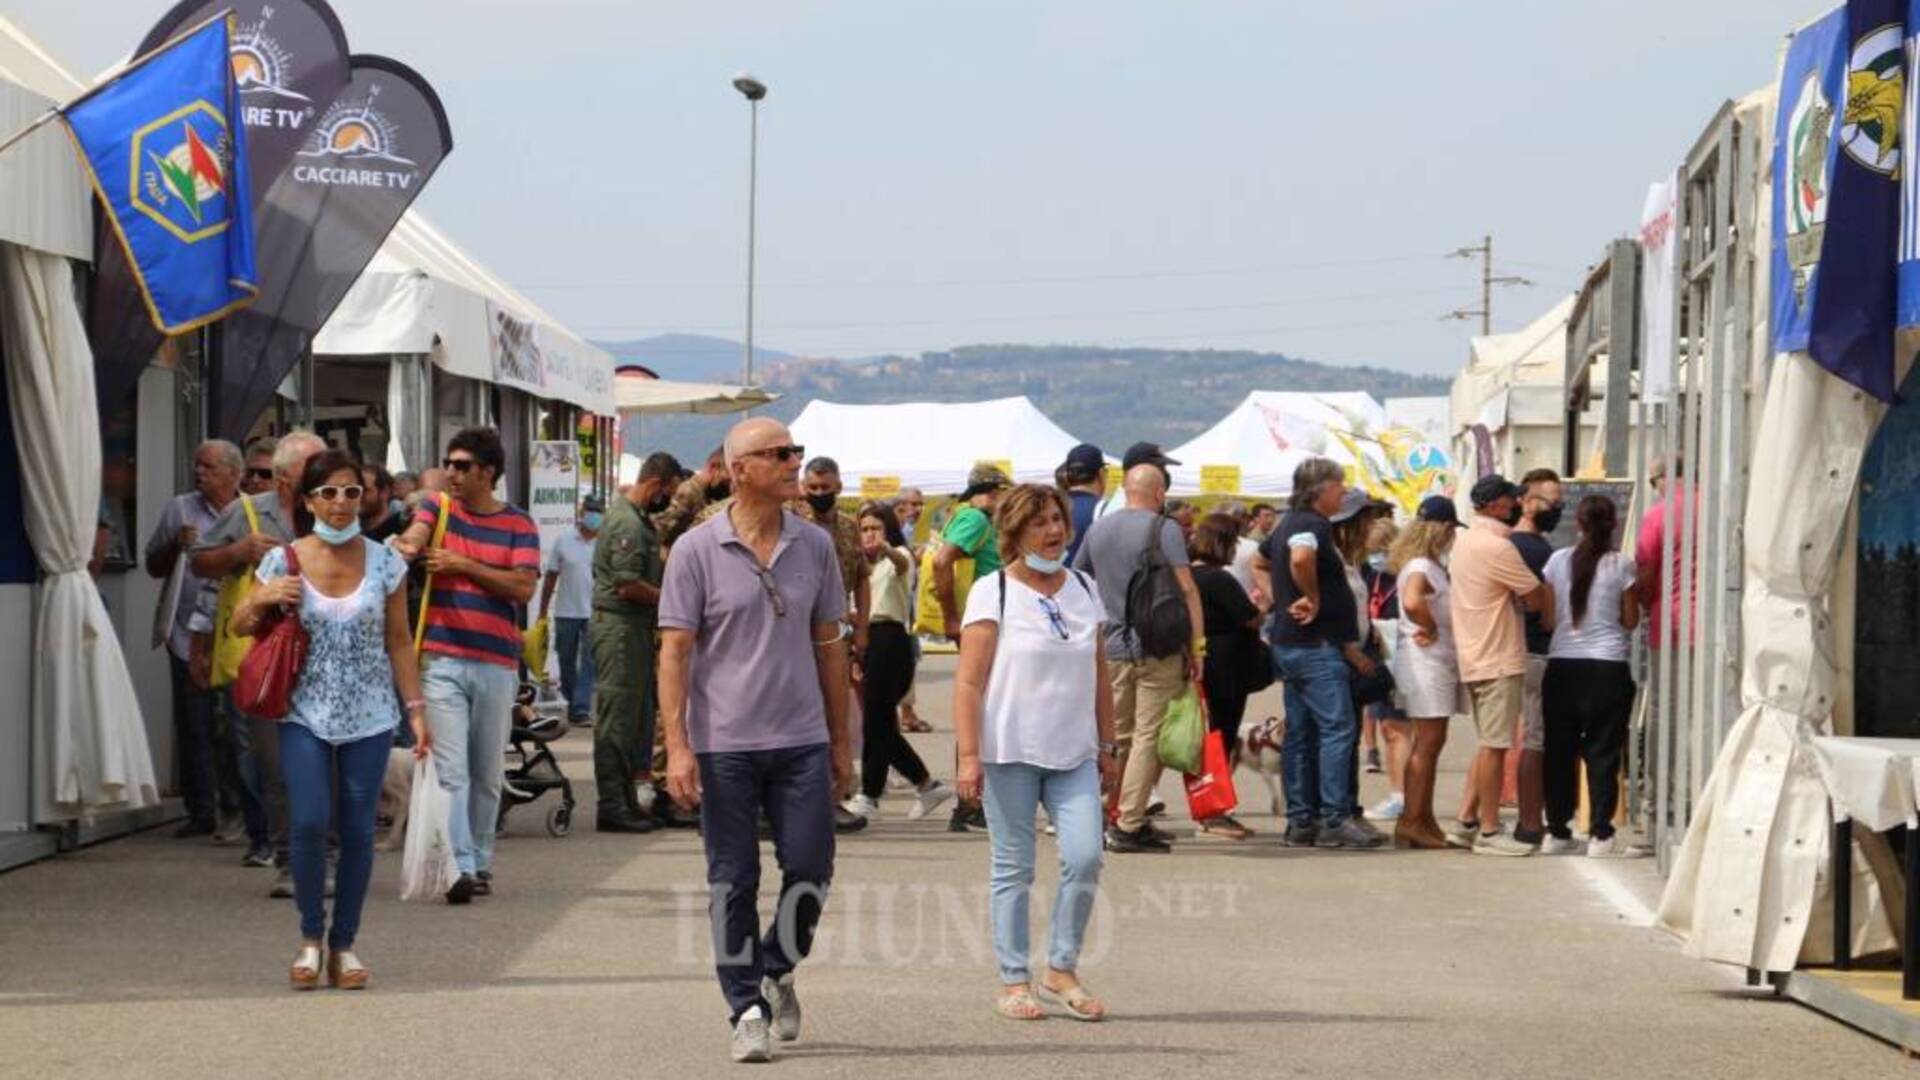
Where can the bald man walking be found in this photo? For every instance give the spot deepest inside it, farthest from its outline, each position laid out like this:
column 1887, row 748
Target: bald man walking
column 1116, row 553
column 753, row 692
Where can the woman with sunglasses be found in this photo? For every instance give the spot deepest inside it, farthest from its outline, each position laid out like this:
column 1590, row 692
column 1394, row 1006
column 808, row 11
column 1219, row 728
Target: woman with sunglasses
column 348, row 594
column 1033, row 720
column 887, row 671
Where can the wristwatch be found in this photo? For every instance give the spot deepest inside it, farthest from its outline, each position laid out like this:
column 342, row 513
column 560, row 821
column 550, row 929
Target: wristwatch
column 1109, row 747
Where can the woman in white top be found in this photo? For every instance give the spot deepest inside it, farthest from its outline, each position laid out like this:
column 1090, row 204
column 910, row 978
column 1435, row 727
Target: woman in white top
column 1033, row 721
column 887, row 671
column 1587, row 696
column 350, row 595
column 1425, row 671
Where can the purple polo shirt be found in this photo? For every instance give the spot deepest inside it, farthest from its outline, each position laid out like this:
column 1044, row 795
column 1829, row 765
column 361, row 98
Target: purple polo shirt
column 755, row 682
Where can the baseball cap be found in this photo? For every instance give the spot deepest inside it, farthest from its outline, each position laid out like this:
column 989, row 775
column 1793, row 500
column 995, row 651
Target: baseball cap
column 1492, row 488
column 1086, row 460
column 1145, row 453
column 1439, row 510
column 593, row 504
column 1352, row 502
column 984, row 478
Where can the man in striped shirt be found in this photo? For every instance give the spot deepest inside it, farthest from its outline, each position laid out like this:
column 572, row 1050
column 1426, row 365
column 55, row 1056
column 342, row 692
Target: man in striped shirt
column 483, row 567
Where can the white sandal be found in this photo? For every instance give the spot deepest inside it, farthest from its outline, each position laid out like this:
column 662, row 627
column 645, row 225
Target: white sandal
column 305, row 972
column 345, row 971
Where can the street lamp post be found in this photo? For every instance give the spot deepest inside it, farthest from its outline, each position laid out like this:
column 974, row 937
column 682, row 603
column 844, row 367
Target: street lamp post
column 754, row 90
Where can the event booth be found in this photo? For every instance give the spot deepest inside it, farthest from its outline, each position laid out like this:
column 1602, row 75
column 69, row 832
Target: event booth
column 932, row 445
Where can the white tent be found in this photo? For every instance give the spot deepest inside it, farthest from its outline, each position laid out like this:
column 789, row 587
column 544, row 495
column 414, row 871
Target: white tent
column 47, row 203
column 423, row 294
column 1514, row 386
column 932, row 445
column 641, row 396
column 1271, row 432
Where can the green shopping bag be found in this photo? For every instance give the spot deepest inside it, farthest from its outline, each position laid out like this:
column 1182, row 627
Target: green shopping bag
column 1183, row 734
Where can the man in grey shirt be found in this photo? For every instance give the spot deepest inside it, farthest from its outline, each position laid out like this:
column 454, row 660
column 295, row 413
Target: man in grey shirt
column 753, row 693
column 1143, row 686
column 233, row 546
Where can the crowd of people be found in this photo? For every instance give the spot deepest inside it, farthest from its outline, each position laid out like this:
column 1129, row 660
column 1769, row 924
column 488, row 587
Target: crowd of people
column 715, row 628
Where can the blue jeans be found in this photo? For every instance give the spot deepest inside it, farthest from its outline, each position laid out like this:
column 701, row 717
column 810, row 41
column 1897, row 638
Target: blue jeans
column 311, row 765
column 1320, row 734
column 794, row 787
column 1072, row 798
column 576, row 667
column 470, row 714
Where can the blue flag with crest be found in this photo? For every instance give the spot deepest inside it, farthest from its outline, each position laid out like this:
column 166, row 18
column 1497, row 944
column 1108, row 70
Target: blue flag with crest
column 167, row 156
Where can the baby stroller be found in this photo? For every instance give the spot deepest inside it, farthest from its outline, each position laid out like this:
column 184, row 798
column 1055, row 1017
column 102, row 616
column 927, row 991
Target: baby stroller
column 539, row 717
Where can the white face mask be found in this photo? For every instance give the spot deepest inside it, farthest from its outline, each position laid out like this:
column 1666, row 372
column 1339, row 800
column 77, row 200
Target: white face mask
column 1040, row 564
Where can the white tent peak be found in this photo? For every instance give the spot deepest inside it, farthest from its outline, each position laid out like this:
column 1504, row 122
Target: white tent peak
column 932, row 445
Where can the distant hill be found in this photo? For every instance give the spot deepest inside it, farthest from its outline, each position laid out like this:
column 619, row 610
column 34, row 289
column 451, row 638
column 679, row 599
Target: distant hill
column 1108, row 396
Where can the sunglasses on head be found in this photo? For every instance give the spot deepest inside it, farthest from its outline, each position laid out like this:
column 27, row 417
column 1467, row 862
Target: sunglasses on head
column 782, row 454
column 459, row 465
column 335, row 492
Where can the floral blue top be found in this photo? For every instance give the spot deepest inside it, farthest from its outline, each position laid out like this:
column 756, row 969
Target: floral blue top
column 346, row 690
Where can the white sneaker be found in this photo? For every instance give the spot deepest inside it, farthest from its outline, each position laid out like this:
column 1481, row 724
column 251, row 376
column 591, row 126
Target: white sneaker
column 644, row 793
column 1389, row 808
column 1502, row 843
column 861, row 806
column 926, row 802
column 750, row 1041
column 1616, row 847
column 786, row 1006
column 1554, row 845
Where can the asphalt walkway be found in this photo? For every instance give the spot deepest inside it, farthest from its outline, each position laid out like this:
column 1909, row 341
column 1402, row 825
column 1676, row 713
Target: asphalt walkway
column 150, row 957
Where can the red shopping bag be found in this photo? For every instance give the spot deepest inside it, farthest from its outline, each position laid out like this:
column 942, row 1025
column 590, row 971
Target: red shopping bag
column 1210, row 792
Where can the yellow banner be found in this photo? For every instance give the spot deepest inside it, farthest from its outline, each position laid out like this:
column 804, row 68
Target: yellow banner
column 1116, row 476
column 879, row 487
column 1219, row 479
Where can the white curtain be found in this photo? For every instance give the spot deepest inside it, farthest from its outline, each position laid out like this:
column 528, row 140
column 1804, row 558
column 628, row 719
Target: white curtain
column 90, row 743
column 1751, row 879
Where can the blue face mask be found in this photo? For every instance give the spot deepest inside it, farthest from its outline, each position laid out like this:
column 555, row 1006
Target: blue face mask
column 334, row 536
column 592, row 519
column 1040, row 564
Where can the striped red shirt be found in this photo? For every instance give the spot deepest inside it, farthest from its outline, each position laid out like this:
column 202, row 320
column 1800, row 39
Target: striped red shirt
column 463, row 619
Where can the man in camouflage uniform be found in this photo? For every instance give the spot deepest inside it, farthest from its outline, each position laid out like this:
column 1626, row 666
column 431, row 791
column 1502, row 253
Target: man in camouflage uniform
column 628, row 563
column 693, row 499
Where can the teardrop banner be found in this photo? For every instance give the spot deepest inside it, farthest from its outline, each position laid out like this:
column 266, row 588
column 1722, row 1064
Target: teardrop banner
column 364, row 162
column 289, row 61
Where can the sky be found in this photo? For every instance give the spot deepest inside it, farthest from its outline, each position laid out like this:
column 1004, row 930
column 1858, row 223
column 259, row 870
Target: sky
column 1234, row 174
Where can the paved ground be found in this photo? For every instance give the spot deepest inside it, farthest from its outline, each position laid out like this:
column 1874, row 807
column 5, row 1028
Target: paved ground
column 152, row 957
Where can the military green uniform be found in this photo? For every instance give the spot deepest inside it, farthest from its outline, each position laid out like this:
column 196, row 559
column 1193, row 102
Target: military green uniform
column 621, row 634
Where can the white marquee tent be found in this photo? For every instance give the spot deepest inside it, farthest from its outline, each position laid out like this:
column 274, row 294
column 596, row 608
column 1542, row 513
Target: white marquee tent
column 932, row 445
column 1271, row 432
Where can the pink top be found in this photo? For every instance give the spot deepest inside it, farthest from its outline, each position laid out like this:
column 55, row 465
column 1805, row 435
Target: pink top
column 1652, row 546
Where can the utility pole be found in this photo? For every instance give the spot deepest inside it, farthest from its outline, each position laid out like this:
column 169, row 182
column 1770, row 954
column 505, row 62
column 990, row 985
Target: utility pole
column 1484, row 249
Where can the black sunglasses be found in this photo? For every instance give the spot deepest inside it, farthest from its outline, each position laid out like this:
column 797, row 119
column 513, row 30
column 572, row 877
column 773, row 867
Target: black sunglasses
column 260, row 474
column 459, row 465
column 783, row 454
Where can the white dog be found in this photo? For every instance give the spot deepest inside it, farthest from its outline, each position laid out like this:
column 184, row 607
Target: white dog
column 396, row 796
column 1260, row 750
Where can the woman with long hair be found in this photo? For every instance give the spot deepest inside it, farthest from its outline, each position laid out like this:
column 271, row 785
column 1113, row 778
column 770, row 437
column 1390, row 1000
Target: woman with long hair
column 1236, row 664
column 1426, row 671
column 887, row 671
column 1033, row 723
column 1587, row 696
column 350, row 595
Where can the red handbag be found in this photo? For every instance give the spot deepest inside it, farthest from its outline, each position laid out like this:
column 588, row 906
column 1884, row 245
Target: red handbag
column 1210, row 792
column 268, row 675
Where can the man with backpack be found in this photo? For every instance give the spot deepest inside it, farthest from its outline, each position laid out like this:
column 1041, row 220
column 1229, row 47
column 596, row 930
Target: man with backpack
column 1154, row 649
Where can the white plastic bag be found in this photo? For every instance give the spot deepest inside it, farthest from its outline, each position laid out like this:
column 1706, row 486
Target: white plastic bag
column 427, row 868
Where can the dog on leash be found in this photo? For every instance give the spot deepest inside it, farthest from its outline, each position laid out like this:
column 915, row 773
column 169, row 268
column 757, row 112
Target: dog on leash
column 396, row 796
column 1260, row 750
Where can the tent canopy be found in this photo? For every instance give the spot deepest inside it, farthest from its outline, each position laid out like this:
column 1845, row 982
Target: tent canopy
column 1518, row 376
column 637, row 395
column 932, row 445
column 48, row 199
column 1272, row 432
column 422, row 293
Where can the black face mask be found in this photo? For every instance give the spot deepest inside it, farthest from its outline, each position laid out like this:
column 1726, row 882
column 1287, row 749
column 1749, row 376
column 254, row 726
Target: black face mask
column 716, row 492
column 823, row 502
column 1549, row 519
column 1514, row 515
column 660, row 501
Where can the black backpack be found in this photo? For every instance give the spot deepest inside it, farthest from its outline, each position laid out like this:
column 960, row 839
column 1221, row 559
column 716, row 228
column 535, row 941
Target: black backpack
column 1156, row 613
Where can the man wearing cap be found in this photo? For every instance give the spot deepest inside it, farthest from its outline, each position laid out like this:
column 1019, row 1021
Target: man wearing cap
column 968, row 534
column 1315, row 625
column 627, row 564
column 1140, row 453
column 1084, row 475
column 568, row 577
column 1488, row 575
